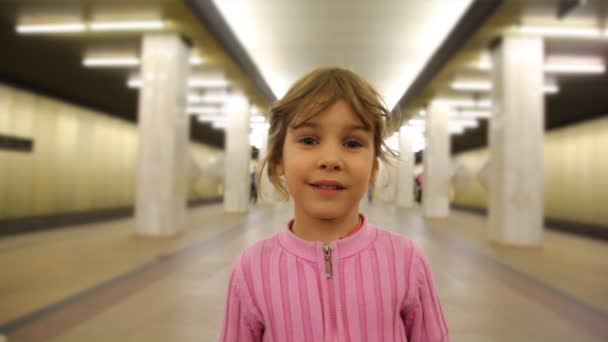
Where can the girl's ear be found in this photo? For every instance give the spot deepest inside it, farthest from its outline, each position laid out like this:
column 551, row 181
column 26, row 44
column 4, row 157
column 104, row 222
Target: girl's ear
column 372, row 178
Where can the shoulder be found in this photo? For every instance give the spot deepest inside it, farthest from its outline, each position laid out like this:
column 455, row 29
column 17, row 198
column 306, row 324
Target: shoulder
column 396, row 242
column 254, row 255
column 407, row 253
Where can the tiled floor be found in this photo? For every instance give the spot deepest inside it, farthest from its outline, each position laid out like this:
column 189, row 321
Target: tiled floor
column 103, row 283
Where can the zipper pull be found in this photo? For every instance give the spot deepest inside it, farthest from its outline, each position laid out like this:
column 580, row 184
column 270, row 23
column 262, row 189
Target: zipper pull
column 327, row 255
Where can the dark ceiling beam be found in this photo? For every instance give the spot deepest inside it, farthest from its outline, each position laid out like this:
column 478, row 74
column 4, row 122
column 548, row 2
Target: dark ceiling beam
column 477, row 13
column 211, row 18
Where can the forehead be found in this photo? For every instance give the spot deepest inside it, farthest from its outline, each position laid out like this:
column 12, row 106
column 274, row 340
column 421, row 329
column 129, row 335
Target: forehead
column 340, row 113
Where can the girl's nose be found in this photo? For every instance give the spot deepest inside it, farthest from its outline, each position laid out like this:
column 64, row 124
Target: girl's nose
column 330, row 159
column 330, row 165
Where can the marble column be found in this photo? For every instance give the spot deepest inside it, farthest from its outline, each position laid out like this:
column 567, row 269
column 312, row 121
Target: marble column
column 405, row 167
column 436, row 176
column 238, row 154
column 267, row 191
column 515, row 205
column 161, row 187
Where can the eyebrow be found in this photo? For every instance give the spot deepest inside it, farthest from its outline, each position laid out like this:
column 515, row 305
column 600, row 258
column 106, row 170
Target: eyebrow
column 315, row 125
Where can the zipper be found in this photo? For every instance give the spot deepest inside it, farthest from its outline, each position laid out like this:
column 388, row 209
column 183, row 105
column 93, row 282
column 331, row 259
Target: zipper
column 330, row 291
column 327, row 257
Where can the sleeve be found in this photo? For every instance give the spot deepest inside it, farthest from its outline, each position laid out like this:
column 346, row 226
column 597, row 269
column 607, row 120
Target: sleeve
column 239, row 322
column 423, row 316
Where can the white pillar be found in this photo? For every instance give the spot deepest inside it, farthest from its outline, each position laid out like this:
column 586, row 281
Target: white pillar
column 436, row 177
column 238, row 154
column 267, row 191
column 161, row 190
column 515, row 208
column 405, row 167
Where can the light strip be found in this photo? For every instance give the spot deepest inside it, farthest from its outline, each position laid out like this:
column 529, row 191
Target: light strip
column 109, row 62
column 572, row 68
column 487, row 86
column 51, row 28
column 211, row 83
column 127, row 25
column 195, row 60
column 204, row 110
column 257, row 119
column 471, row 85
column 472, row 114
column 197, row 83
column 582, row 32
column 134, row 83
column 119, row 61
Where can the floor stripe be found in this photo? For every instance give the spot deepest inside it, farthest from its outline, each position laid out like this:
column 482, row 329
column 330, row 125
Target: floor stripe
column 55, row 319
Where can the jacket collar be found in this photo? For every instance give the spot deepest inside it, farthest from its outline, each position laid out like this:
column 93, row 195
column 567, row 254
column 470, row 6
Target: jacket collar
column 343, row 248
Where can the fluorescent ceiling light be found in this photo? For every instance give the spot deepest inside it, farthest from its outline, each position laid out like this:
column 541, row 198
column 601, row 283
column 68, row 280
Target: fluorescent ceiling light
column 51, row 28
column 193, row 98
column 207, row 83
column 464, row 123
column 219, row 125
column 114, row 61
column 203, row 110
column 259, row 127
column 487, row 86
column 416, row 122
column 134, row 83
column 471, row 85
column 573, row 68
column 127, row 25
column 582, row 32
column 195, row 60
column 455, row 130
column 217, row 98
column 192, row 83
column 550, row 88
column 110, row 62
column 471, row 114
column 257, row 119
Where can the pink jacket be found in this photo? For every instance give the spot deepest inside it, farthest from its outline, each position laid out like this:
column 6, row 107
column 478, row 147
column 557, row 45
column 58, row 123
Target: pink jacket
column 374, row 286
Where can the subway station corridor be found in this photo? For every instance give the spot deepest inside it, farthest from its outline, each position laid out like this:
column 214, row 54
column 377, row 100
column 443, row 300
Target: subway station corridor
column 137, row 138
column 113, row 285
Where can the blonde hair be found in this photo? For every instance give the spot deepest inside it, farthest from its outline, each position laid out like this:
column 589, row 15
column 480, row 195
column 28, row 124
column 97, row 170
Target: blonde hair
column 311, row 95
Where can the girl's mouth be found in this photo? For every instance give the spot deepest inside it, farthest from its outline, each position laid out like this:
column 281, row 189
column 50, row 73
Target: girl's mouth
column 327, row 190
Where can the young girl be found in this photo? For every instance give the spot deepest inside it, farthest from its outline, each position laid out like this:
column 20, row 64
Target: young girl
column 330, row 275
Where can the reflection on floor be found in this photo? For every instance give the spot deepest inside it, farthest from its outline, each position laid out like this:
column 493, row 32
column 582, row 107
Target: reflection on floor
column 102, row 282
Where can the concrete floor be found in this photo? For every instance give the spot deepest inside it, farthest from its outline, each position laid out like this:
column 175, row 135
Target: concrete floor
column 101, row 282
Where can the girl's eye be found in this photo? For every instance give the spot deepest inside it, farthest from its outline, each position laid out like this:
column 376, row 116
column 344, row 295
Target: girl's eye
column 352, row 143
column 308, row 141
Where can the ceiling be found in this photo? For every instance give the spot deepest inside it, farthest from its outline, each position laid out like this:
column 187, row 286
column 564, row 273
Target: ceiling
column 52, row 64
column 410, row 50
column 387, row 44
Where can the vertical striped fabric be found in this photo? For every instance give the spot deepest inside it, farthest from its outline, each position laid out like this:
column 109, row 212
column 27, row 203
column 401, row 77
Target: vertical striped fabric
column 381, row 289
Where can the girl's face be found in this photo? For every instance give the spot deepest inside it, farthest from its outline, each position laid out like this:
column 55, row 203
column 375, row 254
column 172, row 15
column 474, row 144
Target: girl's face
column 328, row 162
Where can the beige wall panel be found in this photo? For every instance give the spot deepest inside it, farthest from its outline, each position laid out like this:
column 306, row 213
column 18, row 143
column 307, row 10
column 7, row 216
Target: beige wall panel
column 82, row 162
column 207, row 184
column 66, row 147
column 82, row 159
column 6, row 99
column 20, row 174
column 599, row 173
column 473, row 194
column 576, row 185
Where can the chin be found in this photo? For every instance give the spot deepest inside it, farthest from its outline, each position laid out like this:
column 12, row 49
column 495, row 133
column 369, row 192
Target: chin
column 325, row 213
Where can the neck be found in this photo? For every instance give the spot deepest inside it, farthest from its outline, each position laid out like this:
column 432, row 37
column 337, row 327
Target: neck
column 324, row 230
